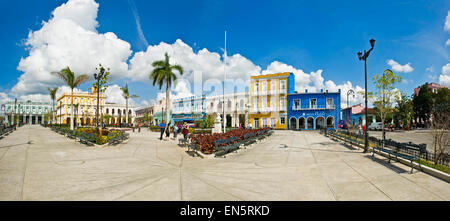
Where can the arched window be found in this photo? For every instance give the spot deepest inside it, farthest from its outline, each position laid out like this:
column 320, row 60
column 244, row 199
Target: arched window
column 107, row 110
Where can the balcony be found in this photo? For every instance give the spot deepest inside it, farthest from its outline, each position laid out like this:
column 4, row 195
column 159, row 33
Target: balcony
column 315, row 107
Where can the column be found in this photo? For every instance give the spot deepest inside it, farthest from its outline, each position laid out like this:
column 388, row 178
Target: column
column 42, row 119
column 36, row 119
column 24, row 118
column 30, row 118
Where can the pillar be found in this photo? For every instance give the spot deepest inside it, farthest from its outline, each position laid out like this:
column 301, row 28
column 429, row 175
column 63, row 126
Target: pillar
column 30, row 118
column 36, row 119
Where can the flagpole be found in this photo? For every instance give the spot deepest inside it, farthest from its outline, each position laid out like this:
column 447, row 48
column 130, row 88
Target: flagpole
column 224, row 120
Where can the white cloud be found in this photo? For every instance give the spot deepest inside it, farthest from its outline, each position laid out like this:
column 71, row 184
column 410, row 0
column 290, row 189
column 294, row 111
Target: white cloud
column 4, row 98
column 209, row 63
column 400, row 68
column 69, row 38
column 447, row 43
column 447, row 22
column 444, row 78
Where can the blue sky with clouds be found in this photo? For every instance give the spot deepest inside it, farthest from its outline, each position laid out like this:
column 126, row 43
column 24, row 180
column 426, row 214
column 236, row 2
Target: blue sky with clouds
column 317, row 39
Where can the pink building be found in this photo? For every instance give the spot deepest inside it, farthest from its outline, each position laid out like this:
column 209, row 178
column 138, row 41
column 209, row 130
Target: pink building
column 433, row 86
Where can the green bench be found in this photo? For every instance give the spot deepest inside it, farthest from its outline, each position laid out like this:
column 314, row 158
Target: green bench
column 396, row 154
column 88, row 139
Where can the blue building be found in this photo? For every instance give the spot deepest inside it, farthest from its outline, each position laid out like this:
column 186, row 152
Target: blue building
column 312, row 111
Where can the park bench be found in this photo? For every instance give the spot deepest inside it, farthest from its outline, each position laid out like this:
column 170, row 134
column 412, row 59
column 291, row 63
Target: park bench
column 417, row 151
column 224, row 146
column 193, row 146
column 182, row 141
column 71, row 134
column 88, row 139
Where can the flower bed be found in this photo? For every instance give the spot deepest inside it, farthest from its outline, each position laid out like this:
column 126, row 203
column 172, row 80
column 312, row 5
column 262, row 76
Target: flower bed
column 206, row 141
column 90, row 133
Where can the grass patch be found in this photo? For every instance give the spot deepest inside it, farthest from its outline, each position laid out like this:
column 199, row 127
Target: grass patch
column 439, row 167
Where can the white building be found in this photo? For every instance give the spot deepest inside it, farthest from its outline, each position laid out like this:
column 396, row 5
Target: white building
column 193, row 109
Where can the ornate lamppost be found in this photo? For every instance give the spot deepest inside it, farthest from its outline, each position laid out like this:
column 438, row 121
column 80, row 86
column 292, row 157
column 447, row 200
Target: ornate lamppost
column 364, row 57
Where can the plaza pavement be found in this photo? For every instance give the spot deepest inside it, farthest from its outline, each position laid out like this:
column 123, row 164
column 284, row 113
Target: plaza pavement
column 38, row 164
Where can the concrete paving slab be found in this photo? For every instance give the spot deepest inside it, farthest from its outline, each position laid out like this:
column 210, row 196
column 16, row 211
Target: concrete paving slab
column 39, row 164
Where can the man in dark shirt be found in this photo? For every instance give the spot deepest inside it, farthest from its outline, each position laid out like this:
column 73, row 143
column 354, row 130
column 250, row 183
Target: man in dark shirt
column 162, row 125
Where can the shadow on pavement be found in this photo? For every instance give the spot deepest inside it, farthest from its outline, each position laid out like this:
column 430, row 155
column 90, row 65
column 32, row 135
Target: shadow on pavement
column 29, row 142
column 384, row 162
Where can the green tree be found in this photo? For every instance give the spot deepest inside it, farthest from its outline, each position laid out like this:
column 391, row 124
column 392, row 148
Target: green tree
column 440, row 123
column 47, row 117
column 423, row 103
column 72, row 81
column 405, row 109
column 163, row 74
column 103, row 74
column 208, row 121
column 147, row 118
column 107, row 117
column 385, row 94
column 126, row 95
column 53, row 97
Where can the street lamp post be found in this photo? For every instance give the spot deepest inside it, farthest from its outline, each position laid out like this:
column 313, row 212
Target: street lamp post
column 348, row 116
column 325, row 121
column 98, row 77
column 364, row 57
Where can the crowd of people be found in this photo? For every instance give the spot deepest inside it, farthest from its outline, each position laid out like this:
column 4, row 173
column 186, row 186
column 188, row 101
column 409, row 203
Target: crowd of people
column 175, row 129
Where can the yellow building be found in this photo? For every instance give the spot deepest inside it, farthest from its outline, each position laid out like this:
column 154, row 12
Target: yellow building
column 268, row 99
column 85, row 107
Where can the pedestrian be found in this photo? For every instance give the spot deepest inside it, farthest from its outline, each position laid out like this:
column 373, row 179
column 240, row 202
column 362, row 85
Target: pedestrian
column 139, row 128
column 162, row 125
column 175, row 131
column 168, row 130
column 359, row 130
column 185, row 130
column 249, row 125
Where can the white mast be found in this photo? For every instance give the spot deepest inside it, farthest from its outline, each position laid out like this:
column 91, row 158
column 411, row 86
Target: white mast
column 223, row 89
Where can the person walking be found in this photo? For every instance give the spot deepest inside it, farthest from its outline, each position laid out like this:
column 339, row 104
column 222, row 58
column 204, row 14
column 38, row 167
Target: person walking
column 168, row 130
column 185, row 130
column 359, row 130
column 175, row 131
column 162, row 125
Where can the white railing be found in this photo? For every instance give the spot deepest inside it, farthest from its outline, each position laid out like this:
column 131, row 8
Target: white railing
column 315, row 107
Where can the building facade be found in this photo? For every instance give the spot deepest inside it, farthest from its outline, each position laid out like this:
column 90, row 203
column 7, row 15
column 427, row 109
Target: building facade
column 359, row 117
column 313, row 111
column 347, row 114
column 27, row 112
column 118, row 113
column 433, row 86
column 85, row 109
column 268, row 99
column 192, row 109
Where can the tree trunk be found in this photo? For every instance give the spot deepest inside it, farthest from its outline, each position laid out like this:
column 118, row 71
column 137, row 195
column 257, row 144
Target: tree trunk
column 126, row 104
column 53, row 111
column 167, row 106
column 71, row 110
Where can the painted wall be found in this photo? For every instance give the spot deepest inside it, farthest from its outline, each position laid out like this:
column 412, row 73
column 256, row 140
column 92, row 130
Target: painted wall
column 307, row 117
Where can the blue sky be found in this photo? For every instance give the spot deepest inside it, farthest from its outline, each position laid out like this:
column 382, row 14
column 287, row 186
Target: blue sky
column 307, row 35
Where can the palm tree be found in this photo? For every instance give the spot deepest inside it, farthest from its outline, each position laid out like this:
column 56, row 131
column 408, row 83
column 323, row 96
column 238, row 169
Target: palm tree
column 69, row 78
column 126, row 95
column 53, row 97
column 75, row 107
column 163, row 74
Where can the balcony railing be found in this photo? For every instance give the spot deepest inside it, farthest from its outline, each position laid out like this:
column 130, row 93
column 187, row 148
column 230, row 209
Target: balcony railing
column 315, row 107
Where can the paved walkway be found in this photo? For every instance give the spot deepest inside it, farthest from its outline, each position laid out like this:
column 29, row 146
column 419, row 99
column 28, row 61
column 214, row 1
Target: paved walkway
column 38, row 164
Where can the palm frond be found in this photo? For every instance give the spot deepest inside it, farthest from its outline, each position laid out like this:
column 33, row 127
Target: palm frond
column 80, row 80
